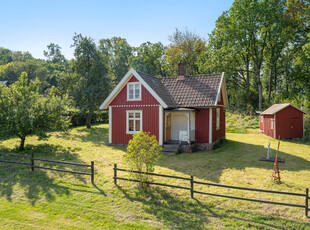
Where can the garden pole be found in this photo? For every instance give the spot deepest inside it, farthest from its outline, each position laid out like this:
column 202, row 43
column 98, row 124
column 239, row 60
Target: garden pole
column 115, row 174
column 192, row 187
column 307, row 200
column 92, row 172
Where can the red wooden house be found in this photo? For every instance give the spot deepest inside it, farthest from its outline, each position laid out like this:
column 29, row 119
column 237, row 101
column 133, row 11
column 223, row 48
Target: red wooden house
column 183, row 110
column 284, row 120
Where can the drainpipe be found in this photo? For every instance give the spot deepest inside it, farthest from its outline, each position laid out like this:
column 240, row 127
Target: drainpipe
column 189, row 131
column 189, row 128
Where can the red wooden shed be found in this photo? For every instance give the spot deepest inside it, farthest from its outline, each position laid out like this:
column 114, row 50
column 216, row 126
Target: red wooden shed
column 284, row 120
column 187, row 110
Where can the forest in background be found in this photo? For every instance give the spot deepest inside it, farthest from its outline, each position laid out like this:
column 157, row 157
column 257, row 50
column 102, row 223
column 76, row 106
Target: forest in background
column 263, row 46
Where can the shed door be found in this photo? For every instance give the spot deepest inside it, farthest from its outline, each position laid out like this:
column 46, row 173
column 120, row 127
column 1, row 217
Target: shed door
column 296, row 127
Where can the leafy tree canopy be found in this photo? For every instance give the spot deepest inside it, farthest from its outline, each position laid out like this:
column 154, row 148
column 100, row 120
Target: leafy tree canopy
column 24, row 111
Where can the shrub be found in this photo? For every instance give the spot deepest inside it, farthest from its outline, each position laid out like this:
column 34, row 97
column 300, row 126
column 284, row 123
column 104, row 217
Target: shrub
column 142, row 153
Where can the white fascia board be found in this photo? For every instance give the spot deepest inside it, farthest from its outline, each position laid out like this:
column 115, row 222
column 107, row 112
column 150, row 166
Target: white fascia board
column 224, row 90
column 116, row 90
column 225, row 96
column 123, row 82
column 219, row 90
column 151, row 91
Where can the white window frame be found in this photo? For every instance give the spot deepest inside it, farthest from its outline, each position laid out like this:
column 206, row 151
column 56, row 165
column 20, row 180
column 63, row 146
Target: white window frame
column 134, row 84
column 271, row 124
column 134, row 123
column 218, row 116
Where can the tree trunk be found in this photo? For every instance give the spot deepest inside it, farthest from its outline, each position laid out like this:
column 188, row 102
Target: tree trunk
column 270, row 82
column 88, row 120
column 248, row 77
column 260, row 95
column 22, row 144
column 275, row 77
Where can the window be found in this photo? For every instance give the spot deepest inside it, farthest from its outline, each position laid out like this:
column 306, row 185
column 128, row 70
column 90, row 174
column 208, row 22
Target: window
column 134, row 91
column 271, row 123
column 134, row 121
column 261, row 119
column 218, row 118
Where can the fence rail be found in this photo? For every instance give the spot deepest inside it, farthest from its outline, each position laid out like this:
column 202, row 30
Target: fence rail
column 193, row 182
column 33, row 166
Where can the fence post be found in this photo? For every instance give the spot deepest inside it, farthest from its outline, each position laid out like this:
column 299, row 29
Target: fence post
column 115, row 174
column 92, row 172
column 307, row 200
column 32, row 162
column 192, row 187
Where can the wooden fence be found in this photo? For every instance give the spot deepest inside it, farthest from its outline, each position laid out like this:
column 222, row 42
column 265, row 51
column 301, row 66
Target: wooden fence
column 192, row 190
column 33, row 159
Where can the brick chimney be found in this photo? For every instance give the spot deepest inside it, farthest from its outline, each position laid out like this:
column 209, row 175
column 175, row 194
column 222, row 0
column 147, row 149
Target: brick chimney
column 181, row 71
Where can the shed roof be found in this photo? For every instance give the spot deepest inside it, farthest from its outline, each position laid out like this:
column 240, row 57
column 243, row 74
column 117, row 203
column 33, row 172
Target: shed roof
column 3, row 82
column 276, row 108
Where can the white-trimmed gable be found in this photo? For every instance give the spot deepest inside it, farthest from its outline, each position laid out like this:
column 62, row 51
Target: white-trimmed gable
column 222, row 88
column 123, row 83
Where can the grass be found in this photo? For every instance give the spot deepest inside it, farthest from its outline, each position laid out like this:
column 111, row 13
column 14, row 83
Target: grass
column 238, row 123
column 49, row 200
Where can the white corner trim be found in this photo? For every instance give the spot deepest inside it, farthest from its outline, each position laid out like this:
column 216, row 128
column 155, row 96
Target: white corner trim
column 219, row 89
column 210, row 125
column 122, row 84
column 161, row 114
column 110, row 125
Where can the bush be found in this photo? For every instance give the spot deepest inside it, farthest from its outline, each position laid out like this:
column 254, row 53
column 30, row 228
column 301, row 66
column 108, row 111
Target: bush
column 78, row 118
column 142, row 153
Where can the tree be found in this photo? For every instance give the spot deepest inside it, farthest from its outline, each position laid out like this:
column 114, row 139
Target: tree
column 24, row 112
column 53, row 54
column 249, row 42
column 149, row 58
column 56, row 64
column 116, row 52
column 185, row 46
column 143, row 151
column 5, row 56
column 92, row 84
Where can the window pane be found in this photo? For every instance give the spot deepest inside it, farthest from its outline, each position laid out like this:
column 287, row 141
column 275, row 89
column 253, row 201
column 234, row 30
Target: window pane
column 130, row 115
column 137, row 90
column 138, row 125
column 137, row 94
column 137, row 115
column 130, row 93
column 130, row 125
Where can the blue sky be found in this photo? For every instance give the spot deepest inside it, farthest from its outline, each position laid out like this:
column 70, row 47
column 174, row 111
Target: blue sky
column 29, row 25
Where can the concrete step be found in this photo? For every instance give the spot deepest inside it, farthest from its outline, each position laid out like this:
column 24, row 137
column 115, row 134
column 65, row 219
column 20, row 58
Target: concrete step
column 171, row 149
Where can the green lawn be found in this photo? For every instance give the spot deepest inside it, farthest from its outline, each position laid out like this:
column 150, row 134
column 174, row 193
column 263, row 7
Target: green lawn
column 49, row 200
